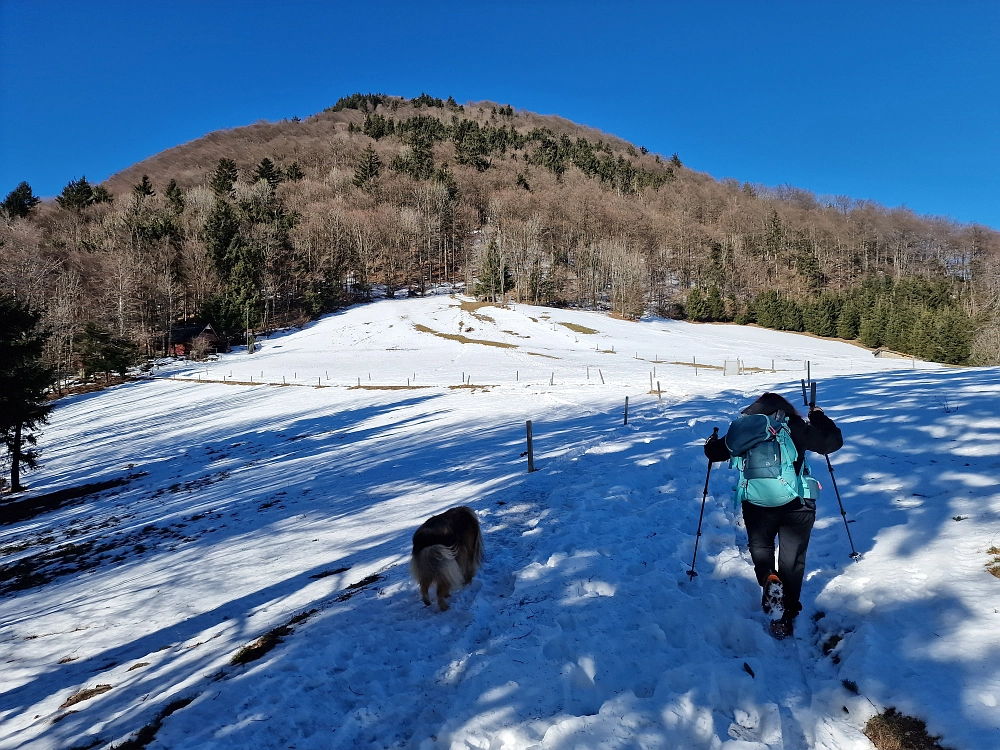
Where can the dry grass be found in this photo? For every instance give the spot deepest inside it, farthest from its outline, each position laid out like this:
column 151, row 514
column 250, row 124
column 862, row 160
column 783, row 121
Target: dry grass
column 85, row 694
column 699, row 365
column 264, row 644
column 994, row 565
column 891, row 730
column 472, row 307
column 386, row 387
column 148, row 733
column 463, row 339
column 536, row 354
column 575, row 328
column 357, row 588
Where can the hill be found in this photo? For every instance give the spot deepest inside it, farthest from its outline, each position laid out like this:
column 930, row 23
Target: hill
column 247, row 584
column 274, row 223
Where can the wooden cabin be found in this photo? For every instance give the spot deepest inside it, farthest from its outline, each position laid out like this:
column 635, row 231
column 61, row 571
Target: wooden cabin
column 196, row 341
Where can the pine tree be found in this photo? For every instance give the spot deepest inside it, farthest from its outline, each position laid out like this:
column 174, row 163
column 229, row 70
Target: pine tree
column 20, row 201
column 267, row 171
column 369, row 167
column 294, row 173
column 102, row 195
column 695, row 306
column 175, row 198
column 76, row 196
column 223, row 177
column 144, row 189
column 24, row 381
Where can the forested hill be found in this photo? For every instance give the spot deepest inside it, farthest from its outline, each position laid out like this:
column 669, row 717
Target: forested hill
column 273, row 223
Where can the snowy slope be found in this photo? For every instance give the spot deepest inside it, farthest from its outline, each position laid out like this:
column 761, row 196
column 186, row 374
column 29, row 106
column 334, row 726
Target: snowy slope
column 249, row 504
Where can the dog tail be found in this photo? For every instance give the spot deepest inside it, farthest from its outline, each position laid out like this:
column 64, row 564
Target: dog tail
column 437, row 562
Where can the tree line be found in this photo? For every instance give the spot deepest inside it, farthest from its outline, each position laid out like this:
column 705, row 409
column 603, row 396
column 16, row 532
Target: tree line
column 273, row 224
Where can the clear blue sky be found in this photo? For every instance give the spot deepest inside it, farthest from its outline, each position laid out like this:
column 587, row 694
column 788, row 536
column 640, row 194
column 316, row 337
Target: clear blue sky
column 893, row 101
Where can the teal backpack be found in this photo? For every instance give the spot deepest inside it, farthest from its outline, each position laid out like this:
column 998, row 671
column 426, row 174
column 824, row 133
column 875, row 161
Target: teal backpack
column 762, row 450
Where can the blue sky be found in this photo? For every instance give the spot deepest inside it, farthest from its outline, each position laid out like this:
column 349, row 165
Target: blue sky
column 891, row 101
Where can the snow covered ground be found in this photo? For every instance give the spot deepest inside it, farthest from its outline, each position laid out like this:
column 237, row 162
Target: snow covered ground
column 249, row 504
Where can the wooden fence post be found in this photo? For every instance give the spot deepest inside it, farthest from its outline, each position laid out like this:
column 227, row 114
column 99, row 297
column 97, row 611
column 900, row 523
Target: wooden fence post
column 659, row 393
column 601, row 374
column 531, row 452
column 626, row 410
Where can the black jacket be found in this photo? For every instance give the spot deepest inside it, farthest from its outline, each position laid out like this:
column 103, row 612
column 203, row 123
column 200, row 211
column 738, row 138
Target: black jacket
column 819, row 434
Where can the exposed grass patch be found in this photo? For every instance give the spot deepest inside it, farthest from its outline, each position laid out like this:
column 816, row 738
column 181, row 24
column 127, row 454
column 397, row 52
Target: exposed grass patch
column 470, row 387
column 386, row 387
column 326, row 573
column 471, row 306
column 576, row 328
column 994, row 565
column 515, row 333
column 138, row 665
column 891, row 730
column 463, row 339
column 257, row 649
column 148, row 733
column 699, row 365
column 357, row 588
column 536, row 354
column 29, row 507
column 85, row 694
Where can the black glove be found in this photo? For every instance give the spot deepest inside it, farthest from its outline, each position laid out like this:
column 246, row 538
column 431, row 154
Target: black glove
column 710, row 444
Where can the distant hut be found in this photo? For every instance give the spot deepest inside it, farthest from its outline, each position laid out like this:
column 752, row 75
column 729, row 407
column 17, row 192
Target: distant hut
column 196, row 342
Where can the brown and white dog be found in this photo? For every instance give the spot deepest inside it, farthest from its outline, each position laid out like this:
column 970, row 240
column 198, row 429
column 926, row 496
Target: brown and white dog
column 447, row 551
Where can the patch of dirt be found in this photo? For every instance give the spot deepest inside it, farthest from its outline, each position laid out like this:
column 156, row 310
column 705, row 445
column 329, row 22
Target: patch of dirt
column 85, row 694
column 269, row 640
column 357, row 588
column 27, row 508
column 325, row 573
column 891, row 730
column 148, row 733
column 463, row 339
column 386, row 387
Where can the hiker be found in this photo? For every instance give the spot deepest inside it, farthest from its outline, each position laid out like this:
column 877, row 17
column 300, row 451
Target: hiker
column 777, row 493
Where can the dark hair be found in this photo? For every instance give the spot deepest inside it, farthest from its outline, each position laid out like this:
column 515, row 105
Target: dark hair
column 769, row 403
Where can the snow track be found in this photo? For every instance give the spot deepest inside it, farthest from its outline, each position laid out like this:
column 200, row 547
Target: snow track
column 582, row 629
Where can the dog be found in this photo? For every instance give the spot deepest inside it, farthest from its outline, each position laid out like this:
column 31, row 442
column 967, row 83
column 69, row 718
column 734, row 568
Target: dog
column 447, row 551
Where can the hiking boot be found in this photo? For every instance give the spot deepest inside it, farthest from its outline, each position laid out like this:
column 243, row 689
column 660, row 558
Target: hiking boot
column 783, row 628
column 772, row 600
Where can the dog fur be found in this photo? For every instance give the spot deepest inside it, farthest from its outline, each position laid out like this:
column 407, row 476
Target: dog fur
column 447, row 551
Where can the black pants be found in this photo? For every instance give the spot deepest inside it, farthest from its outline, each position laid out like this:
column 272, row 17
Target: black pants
column 791, row 523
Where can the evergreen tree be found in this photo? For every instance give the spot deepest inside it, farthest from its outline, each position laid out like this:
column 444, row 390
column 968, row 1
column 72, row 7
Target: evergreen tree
column 267, row 171
column 76, row 196
column 175, row 198
column 714, row 306
column 222, row 179
column 24, row 381
column 294, row 173
column 849, row 320
column 675, row 161
column 369, row 167
column 695, row 306
column 102, row 195
column 221, row 230
column 144, row 189
column 20, row 201
column 102, row 352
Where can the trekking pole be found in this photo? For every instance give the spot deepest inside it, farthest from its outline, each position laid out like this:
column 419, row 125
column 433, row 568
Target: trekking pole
column 704, row 496
column 855, row 555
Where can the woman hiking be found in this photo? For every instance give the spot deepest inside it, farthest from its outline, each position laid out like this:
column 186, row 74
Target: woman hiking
column 767, row 444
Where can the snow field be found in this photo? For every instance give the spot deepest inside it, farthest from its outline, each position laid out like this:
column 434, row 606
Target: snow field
column 582, row 629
